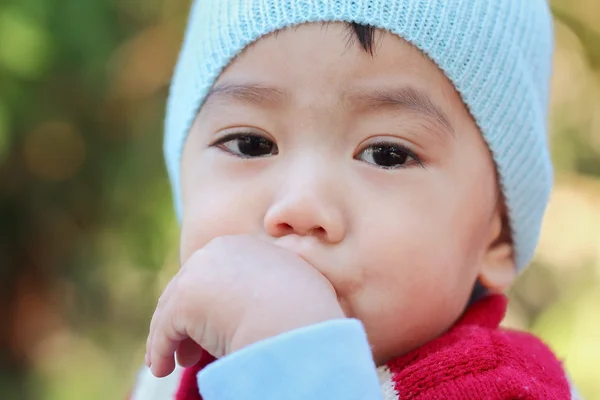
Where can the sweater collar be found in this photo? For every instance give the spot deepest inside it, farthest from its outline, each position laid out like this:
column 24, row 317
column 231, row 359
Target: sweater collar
column 488, row 312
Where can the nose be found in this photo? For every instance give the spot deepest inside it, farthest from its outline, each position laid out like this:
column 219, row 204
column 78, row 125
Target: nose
column 307, row 205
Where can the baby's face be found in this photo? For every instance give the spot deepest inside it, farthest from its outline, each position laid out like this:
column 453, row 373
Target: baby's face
column 369, row 167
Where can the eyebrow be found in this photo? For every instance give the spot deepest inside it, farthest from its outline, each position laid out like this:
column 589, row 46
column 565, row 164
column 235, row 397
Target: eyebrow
column 250, row 93
column 404, row 98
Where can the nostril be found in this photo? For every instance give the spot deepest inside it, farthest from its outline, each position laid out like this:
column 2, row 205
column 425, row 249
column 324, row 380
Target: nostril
column 318, row 231
column 284, row 229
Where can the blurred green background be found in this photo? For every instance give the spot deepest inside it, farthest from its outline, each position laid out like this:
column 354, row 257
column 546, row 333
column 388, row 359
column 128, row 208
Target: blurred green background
column 87, row 233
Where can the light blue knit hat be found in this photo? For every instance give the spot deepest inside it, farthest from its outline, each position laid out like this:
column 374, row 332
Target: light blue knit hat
column 497, row 53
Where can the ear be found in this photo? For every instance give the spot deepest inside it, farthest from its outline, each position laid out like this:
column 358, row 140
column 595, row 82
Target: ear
column 498, row 270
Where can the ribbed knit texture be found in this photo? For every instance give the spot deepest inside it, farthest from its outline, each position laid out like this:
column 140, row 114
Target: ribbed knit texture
column 496, row 53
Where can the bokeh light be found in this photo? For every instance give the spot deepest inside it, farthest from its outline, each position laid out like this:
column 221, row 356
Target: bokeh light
column 54, row 150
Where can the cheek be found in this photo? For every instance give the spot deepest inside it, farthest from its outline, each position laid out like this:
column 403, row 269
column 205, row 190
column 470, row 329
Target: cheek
column 215, row 205
column 205, row 218
column 422, row 233
column 416, row 283
column 418, row 255
column 411, row 251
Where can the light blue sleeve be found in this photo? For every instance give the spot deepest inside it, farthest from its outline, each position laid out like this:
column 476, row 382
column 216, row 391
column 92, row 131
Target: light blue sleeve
column 327, row 361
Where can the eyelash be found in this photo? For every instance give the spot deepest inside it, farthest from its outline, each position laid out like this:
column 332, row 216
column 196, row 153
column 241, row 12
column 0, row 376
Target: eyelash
column 397, row 148
column 242, row 135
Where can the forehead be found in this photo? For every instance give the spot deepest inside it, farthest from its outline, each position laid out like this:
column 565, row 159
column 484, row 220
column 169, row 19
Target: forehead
column 322, row 63
column 330, row 53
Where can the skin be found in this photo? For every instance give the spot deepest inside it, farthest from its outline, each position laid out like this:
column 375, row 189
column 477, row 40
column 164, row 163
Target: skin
column 396, row 244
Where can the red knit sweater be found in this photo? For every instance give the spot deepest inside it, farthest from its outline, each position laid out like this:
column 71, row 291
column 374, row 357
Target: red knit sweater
column 475, row 359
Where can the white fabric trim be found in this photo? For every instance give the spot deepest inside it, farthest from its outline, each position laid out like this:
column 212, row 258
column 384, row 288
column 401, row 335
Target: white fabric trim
column 574, row 393
column 149, row 387
column 387, row 386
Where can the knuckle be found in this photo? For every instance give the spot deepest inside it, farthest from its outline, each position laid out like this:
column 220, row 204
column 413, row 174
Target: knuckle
column 218, row 242
column 189, row 295
column 183, row 289
column 176, row 321
column 196, row 258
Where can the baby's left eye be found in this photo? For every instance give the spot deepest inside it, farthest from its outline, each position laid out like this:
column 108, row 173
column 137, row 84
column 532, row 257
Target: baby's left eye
column 388, row 156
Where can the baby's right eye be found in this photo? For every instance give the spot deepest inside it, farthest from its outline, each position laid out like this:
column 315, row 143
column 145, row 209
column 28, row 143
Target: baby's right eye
column 247, row 145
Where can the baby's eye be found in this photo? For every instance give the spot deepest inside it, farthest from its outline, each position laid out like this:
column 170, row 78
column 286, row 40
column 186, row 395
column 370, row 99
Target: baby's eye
column 248, row 146
column 388, row 155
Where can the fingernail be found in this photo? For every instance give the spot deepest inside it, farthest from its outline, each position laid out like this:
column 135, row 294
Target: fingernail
column 147, row 360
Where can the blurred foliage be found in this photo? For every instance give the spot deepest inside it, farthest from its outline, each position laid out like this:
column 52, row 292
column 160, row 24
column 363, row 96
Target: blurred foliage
column 87, row 232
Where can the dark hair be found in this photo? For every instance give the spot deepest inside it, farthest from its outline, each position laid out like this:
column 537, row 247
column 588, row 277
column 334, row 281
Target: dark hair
column 365, row 34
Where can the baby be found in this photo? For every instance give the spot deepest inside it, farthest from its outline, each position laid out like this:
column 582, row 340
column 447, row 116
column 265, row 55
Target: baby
column 358, row 182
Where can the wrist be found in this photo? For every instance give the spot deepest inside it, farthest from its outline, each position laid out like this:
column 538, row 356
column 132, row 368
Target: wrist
column 260, row 329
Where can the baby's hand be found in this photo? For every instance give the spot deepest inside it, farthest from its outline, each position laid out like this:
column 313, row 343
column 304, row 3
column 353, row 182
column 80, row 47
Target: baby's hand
column 235, row 291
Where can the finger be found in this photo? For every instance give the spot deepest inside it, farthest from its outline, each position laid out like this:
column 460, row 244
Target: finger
column 188, row 353
column 165, row 341
column 162, row 301
column 150, row 337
